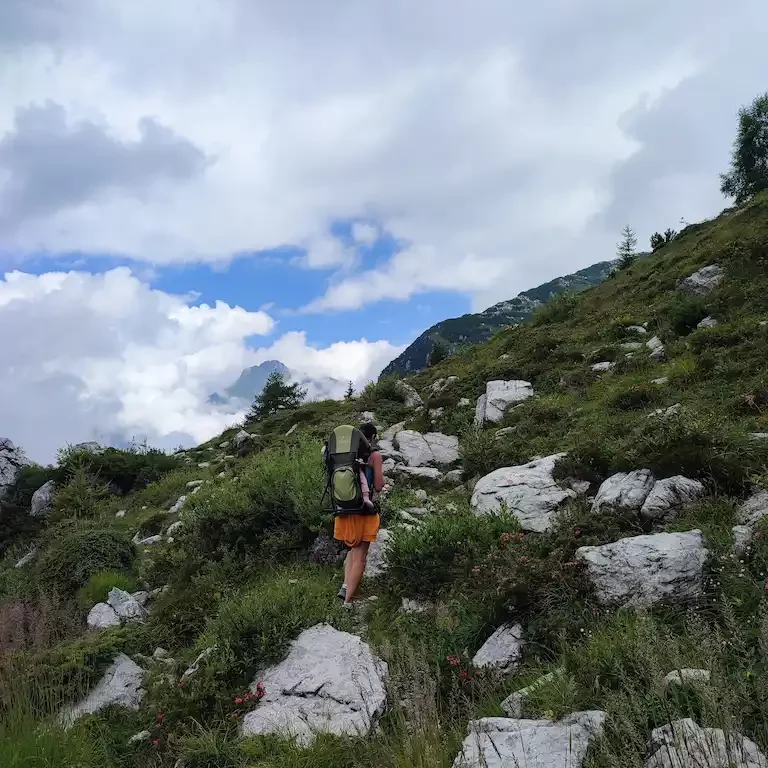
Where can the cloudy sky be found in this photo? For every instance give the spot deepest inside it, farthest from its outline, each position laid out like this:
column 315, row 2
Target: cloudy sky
column 189, row 188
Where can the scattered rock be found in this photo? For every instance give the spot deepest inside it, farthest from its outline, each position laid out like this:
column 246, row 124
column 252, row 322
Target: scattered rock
column 27, row 559
column 514, row 703
column 377, row 562
column 754, row 509
column 499, row 395
column 528, row 491
column 414, row 606
column 221, row 475
column 685, row 676
column 180, row 502
column 661, row 380
column 503, row 650
column 435, row 413
column 669, row 494
column 683, row 744
column 194, row 668
column 141, row 597
column 120, row 686
column 388, row 466
column 497, row 742
column 758, row 435
column 430, row 449
column 453, row 478
column 102, row 616
column 125, row 605
column 707, row 322
column 580, row 486
column 139, row 737
column 440, row 385
column 602, row 367
column 327, row 551
column 389, row 433
column 204, row 465
column 292, row 430
column 241, row 438
column 643, row 570
column 637, row 329
column 429, row 475
column 120, row 513
column 409, row 394
column 150, row 541
column 658, row 351
column 12, row 459
column 665, row 412
column 703, row 281
column 224, row 445
column 174, row 528
column 421, row 495
column 159, row 654
column 624, row 491
column 194, row 484
column 464, row 402
column 42, row 499
column 330, row 682
column 742, row 539
column 631, row 346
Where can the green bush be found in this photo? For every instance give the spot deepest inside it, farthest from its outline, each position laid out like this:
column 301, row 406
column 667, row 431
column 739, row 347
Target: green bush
column 558, row 309
column 99, row 584
column 682, row 314
column 73, row 554
column 277, row 494
column 479, row 451
column 81, row 498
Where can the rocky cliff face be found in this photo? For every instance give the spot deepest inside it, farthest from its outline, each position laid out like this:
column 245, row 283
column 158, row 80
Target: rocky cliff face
column 12, row 459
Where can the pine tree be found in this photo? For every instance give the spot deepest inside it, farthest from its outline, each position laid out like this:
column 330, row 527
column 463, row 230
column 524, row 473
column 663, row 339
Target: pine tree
column 625, row 248
column 669, row 235
column 350, row 393
column 657, row 240
column 749, row 160
column 437, row 354
column 276, row 396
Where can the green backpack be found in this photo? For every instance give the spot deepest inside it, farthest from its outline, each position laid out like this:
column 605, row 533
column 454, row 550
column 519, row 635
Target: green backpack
column 346, row 453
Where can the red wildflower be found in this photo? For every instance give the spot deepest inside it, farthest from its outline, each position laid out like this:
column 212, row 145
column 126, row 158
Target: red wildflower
column 155, row 742
column 454, row 661
column 577, row 532
column 464, row 675
column 234, row 714
column 181, row 683
column 757, row 534
column 238, row 700
column 160, row 715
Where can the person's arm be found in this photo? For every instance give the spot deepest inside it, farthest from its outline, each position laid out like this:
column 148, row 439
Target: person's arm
column 376, row 462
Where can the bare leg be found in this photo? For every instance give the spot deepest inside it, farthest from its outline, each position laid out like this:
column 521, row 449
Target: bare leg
column 355, row 569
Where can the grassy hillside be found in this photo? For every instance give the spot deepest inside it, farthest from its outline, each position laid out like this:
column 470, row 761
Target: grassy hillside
column 238, row 576
column 475, row 328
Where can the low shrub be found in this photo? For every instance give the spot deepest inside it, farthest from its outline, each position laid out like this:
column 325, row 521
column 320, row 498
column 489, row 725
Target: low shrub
column 681, row 314
column 99, row 584
column 558, row 309
column 635, row 397
column 479, row 451
column 74, row 553
column 81, row 498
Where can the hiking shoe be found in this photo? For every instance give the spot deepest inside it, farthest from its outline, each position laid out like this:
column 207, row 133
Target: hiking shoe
column 342, row 595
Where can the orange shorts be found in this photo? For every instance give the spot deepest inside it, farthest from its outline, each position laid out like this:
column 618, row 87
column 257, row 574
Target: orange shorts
column 352, row 529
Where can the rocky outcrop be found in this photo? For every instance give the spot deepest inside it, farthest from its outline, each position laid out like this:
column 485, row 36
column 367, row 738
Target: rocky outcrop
column 12, row 459
column 703, row 281
column 707, row 322
column 179, row 504
column 330, row 682
column 499, row 395
column 684, row 744
column 427, row 475
column 27, row 559
column 528, row 491
column 503, row 650
column 42, row 499
column 376, row 564
column 430, row 449
column 241, row 438
column 497, row 742
column 125, row 605
column 638, row 492
column 440, row 385
column 643, row 570
column 754, row 509
column 102, row 616
column 120, row 686
column 409, row 394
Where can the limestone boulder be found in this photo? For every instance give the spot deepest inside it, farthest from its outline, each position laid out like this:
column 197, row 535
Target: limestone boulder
column 624, row 491
column 703, row 281
column 603, row 367
column 330, row 682
column 668, row 495
column 102, row 616
column 657, row 348
column 528, row 491
column 12, row 459
column 499, row 395
column 684, row 744
column 376, row 564
column 754, row 509
column 742, row 539
column 503, row 650
column 425, row 475
column 644, row 570
column 42, row 499
column 707, row 322
column 120, row 686
column 125, row 605
column 430, row 449
column 499, row 742
column 409, row 394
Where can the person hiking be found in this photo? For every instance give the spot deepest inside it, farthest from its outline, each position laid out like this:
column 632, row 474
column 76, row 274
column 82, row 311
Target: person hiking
column 358, row 530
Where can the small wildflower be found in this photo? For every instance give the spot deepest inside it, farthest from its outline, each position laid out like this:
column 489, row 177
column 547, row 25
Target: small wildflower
column 757, row 534
column 577, row 532
column 464, row 675
column 181, row 683
column 234, row 715
column 454, row 661
column 155, row 741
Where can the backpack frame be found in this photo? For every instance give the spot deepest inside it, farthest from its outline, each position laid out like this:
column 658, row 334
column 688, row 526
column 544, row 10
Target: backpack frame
column 346, row 454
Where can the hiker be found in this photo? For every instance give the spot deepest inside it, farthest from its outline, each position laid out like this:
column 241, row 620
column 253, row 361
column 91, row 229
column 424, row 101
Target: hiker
column 358, row 524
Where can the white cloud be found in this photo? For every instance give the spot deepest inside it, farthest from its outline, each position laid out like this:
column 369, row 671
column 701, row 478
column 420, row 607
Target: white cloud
column 104, row 356
column 500, row 140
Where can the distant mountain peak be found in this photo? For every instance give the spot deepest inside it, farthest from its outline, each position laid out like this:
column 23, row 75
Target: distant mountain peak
column 249, row 383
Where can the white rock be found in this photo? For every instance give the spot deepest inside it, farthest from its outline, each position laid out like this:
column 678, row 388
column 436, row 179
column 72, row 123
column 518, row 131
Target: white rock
column 742, row 538
column 464, row 402
column 702, row 281
column 665, row 412
column 643, row 570
column 758, row 435
column 528, row 491
column 754, row 509
column 498, row 742
column 120, row 686
column 376, row 564
column 499, row 395
column 503, row 650
column 241, row 437
column 126, row 607
column 421, row 495
column 141, row 597
column 683, row 744
column 139, row 737
column 102, row 616
column 388, row 466
column 514, row 703
column 429, row 475
column 580, row 486
column 180, row 502
column 390, row 432
column 624, row 491
column 452, row 478
column 194, row 484
column 12, row 459
column 430, row 449
column 637, row 329
column 330, row 682
column 661, row 380
column 160, row 654
column 42, row 499
column 684, row 676
column 707, row 322
column 292, row 430
column 174, row 527
column 414, row 606
column 410, row 395
column 194, row 668
column 204, row 465
column 658, row 351
column 224, row 445
column 150, row 541
column 602, row 367
column 631, row 346
column 436, row 413
column 120, row 513
column 669, row 494
column 27, row 559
